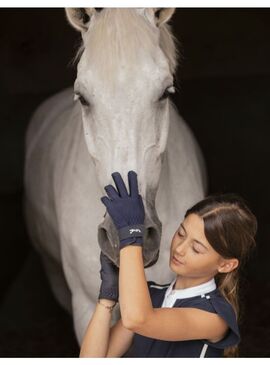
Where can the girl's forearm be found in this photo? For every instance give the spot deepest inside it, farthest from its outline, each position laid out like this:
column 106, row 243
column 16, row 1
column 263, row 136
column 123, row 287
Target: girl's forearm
column 134, row 298
column 96, row 339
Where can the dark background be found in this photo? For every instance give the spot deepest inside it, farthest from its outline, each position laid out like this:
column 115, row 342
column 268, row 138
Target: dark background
column 224, row 95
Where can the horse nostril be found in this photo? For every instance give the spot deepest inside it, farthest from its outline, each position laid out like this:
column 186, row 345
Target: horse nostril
column 154, row 261
column 103, row 234
column 109, row 242
column 151, row 234
column 107, row 245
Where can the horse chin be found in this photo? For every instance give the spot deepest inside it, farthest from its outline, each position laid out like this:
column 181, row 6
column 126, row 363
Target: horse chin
column 109, row 242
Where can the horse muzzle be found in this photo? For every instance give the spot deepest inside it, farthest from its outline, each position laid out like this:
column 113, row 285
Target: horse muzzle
column 108, row 239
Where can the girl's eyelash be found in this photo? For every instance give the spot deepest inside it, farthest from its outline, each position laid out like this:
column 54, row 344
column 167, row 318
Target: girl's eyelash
column 179, row 234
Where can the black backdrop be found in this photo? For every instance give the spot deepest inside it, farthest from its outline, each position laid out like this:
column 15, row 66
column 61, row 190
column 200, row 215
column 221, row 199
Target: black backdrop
column 224, row 96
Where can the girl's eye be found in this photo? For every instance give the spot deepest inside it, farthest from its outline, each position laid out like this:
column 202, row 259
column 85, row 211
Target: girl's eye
column 181, row 235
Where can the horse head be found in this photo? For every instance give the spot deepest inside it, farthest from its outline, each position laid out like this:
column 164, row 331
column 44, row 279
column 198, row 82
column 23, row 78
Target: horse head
column 125, row 75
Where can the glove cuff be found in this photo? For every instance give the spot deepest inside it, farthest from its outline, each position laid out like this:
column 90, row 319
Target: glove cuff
column 109, row 293
column 135, row 230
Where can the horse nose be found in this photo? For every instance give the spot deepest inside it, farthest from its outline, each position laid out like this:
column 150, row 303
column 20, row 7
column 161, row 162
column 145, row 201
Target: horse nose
column 109, row 241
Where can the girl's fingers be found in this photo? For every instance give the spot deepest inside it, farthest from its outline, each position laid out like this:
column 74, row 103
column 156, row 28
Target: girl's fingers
column 119, row 183
column 133, row 183
column 106, row 201
column 111, row 192
column 104, row 258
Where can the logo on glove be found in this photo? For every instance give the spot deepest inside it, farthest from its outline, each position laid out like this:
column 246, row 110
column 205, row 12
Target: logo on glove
column 134, row 230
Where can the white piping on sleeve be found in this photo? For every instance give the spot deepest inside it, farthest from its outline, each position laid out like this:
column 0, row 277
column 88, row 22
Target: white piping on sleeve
column 158, row 287
column 204, row 349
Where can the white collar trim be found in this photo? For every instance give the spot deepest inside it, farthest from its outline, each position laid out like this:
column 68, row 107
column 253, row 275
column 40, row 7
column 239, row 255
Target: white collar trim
column 192, row 291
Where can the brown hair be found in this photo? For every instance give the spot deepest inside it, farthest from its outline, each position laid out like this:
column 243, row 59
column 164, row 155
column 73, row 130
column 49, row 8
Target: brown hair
column 230, row 227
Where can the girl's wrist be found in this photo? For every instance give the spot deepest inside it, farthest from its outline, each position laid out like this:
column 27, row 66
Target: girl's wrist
column 108, row 302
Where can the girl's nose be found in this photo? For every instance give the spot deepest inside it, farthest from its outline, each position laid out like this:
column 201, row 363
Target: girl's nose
column 181, row 248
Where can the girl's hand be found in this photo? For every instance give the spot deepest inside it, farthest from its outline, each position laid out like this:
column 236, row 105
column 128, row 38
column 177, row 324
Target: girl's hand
column 109, row 274
column 126, row 211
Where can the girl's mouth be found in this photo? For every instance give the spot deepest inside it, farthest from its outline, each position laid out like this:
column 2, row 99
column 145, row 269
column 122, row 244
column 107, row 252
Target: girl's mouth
column 177, row 262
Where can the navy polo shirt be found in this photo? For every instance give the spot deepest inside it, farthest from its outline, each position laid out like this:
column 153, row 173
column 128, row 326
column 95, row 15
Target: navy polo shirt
column 206, row 297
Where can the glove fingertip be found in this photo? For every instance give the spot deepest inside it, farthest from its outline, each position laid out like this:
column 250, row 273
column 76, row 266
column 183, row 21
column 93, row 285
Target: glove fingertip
column 105, row 200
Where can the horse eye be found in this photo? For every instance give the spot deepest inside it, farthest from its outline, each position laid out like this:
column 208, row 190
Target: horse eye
column 81, row 98
column 167, row 92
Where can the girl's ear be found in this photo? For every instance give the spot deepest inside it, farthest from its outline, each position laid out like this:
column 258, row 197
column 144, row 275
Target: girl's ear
column 228, row 265
column 80, row 18
column 163, row 15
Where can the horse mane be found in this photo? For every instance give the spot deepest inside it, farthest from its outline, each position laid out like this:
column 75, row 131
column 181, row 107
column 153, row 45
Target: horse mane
column 120, row 34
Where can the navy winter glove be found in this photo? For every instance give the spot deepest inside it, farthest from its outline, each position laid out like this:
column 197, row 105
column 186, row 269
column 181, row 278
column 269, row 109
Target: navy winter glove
column 126, row 211
column 109, row 274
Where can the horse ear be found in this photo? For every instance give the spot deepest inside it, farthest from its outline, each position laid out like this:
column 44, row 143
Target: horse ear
column 163, row 15
column 79, row 18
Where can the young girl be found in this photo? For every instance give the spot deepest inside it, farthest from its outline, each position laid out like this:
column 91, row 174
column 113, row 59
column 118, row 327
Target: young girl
column 196, row 315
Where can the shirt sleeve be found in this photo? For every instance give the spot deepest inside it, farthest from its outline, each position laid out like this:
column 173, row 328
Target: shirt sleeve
column 226, row 311
column 150, row 282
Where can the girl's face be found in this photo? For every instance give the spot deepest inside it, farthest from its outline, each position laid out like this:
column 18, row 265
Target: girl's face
column 196, row 257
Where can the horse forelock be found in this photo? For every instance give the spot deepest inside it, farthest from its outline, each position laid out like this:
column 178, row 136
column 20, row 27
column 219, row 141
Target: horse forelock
column 119, row 36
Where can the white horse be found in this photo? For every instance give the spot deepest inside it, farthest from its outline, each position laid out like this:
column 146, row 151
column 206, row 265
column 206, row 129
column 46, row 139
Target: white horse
column 121, row 119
